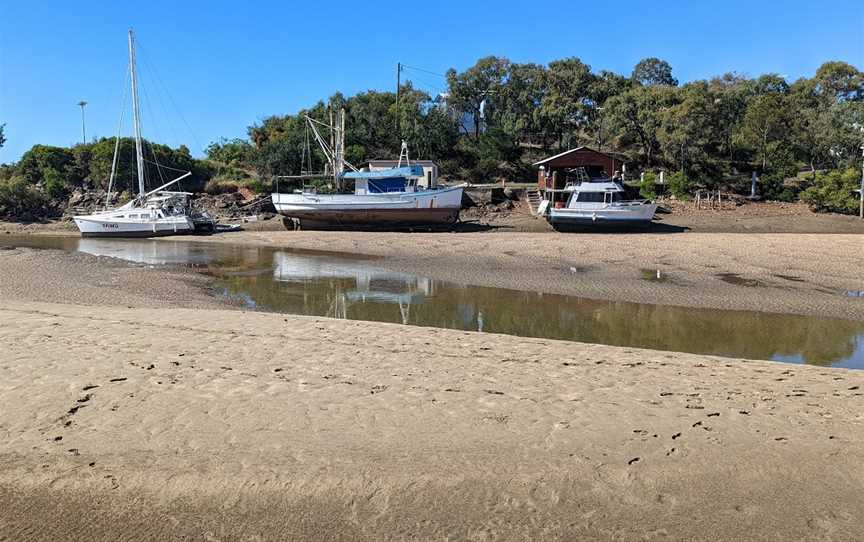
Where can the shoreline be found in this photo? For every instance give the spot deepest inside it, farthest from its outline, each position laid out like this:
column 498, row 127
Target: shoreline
column 803, row 274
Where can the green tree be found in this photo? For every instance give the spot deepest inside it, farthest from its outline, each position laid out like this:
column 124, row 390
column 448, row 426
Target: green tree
column 230, row 151
column 765, row 126
column 519, row 99
column 472, row 91
column 41, row 158
column 687, row 136
column 566, row 108
column 840, row 81
column 637, row 116
column 2, row 135
column 730, row 92
column 653, row 71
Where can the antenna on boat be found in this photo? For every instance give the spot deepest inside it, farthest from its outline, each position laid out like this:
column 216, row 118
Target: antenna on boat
column 403, row 153
column 136, row 113
column 398, row 91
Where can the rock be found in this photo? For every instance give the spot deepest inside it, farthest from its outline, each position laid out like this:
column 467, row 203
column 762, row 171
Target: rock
column 513, row 194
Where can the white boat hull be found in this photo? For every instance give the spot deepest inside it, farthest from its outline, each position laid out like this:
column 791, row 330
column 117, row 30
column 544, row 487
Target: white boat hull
column 106, row 225
column 604, row 215
column 424, row 207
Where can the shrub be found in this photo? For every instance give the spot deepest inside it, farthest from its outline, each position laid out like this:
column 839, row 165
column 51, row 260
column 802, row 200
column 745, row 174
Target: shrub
column 774, row 188
column 679, row 185
column 53, row 183
column 834, row 192
column 21, row 200
column 647, row 188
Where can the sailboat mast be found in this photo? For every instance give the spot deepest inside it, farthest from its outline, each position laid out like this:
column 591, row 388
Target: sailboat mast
column 139, row 154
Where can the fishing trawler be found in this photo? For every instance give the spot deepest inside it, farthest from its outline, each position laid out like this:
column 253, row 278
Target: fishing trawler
column 388, row 198
column 153, row 213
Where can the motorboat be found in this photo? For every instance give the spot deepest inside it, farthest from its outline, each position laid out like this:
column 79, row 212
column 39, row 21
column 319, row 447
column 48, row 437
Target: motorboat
column 598, row 202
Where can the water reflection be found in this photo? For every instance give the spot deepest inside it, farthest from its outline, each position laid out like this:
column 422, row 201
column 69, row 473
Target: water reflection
column 311, row 284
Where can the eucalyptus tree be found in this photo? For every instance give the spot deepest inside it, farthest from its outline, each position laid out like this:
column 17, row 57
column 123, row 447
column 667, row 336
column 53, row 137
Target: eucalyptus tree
column 519, row 100
column 653, row 71
column 473, row 91
column 840, row 81
column 566, row 107
column 637, row 117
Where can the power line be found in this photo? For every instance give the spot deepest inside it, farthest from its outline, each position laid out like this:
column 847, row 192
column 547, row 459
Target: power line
column 430, row 72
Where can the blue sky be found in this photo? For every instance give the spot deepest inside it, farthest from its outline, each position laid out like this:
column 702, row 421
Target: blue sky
column 226, row 65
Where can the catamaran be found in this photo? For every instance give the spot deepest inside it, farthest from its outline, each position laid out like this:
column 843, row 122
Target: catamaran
column 385, row 198
column 157, row 212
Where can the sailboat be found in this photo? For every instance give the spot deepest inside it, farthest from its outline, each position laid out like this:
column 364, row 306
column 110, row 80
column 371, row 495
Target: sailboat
column 384, row 198
column 153, row 213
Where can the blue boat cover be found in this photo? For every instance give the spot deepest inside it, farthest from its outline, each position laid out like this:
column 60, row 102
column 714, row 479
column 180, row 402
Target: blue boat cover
column 406, row 171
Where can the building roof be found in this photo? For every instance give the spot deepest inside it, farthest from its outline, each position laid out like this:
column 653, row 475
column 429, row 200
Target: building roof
column 573, row 151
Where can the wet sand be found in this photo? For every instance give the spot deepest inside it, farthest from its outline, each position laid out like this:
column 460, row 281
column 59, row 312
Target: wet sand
column 783, row 273
column 127, row 417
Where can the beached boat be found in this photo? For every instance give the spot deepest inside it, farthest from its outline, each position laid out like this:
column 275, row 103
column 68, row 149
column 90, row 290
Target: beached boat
column 388, row 198
column 154, row 213
column 599, row 202
column 381, row 198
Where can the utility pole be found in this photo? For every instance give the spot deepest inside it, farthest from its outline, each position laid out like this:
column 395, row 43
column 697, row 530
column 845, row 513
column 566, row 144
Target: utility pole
column 600, row 130
column 398, row 90
column 860, row 128
column 861, row 190
column 81, row 104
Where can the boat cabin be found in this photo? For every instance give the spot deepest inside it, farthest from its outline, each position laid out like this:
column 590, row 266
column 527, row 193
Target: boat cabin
column 569, row 168
column 430, row 170
column 594, row 192
column 402, row 179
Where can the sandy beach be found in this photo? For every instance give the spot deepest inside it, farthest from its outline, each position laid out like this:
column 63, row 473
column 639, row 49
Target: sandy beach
column 208, row 424
column 129, row 415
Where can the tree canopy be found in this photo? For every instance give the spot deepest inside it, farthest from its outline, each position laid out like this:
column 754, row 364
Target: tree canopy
column 498, row 116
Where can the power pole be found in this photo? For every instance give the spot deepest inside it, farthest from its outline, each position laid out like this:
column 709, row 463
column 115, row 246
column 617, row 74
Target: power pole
column 398, row 90
column 81, row 104
column 861, row 191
